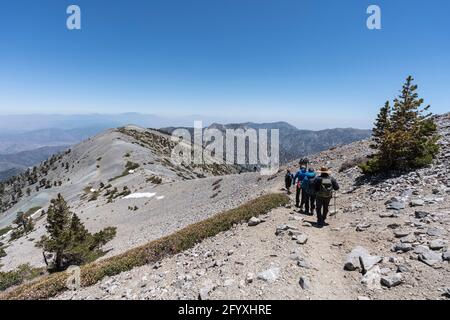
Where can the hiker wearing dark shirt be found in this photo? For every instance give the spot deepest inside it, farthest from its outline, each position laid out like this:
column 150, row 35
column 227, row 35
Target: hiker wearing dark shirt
column 323, row 186
column 288, row 180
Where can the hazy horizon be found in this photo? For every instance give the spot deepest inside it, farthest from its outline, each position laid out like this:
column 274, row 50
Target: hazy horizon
column 260, row 61
column 38, row 121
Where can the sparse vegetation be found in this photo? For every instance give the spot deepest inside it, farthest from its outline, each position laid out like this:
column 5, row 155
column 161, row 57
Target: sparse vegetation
column 152, row 252
column 351, row 163
column 2, row 252
column 128, row 167
column 5, row 230
column 23, row 273
column 24, row 223
column 154, row 180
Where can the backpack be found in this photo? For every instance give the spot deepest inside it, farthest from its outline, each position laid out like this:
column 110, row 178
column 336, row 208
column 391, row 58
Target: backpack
column 326, row 188
column 307, row 184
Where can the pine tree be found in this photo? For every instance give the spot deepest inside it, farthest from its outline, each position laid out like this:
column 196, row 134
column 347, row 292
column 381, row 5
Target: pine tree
column 382, row 124
column 68, row 238
column 404, row 137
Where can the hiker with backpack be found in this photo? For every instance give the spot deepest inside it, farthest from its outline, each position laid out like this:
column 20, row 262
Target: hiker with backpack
column 324, row 185
column 298, row 178
column 288, row 180
column 307, row 188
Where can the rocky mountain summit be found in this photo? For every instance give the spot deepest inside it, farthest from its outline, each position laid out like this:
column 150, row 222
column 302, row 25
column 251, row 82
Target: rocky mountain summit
column 295, row 143
column 387, row 239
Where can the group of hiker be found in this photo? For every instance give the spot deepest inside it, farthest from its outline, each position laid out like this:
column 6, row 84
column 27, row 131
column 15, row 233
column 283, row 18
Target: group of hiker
column 316, row 189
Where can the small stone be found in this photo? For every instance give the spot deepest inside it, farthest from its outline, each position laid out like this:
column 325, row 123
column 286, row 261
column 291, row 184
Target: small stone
column 438, row 244
column 402, row 268
column 395, row 204
column 387, row 215
column 421, row 214
column 408, row 239
column 305, row 283
column 269, row 275
column 401, row 233
column 362, row 298
column 446, row 256
column 417, row 203
column 254, row 222
column 302, row 263
column 294, row 232
column 392, row 280
column 302, row 239
column 249, row 277
column 228, row 282
column 362, row 227
column 402, row 247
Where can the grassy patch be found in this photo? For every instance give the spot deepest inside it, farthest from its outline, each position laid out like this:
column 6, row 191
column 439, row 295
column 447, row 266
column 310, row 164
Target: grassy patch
column 5, row 230
column 153, row 251
column 23, row 273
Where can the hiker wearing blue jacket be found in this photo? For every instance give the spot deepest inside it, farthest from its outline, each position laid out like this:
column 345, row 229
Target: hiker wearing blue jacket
column 307, row 188
column 298, row 178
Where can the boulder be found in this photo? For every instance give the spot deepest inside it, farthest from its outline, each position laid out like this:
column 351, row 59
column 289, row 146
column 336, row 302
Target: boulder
column 392, row 280
column 438, row 244
column 430, row 258
column 372, row 279
column 352, row 262
column 368, row 262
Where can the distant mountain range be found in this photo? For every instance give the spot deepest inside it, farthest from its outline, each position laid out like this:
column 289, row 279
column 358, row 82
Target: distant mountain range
column 296, row 143
column 15, row 163
column 20, row 149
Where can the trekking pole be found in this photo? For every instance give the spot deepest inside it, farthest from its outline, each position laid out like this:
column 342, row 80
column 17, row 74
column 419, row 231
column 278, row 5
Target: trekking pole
column 335, row 210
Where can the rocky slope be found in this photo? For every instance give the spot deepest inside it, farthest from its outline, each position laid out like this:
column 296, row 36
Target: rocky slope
column 388, row 239
column 122, row 178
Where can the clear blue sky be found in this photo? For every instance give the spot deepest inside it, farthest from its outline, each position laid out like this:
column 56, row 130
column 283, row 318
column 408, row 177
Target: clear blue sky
column 312, row 63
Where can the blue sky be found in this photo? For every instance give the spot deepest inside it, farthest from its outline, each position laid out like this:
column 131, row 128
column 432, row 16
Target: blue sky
column 311, row 63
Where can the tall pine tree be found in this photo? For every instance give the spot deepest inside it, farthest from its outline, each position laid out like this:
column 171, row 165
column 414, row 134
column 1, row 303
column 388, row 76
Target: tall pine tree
column 405, row 136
